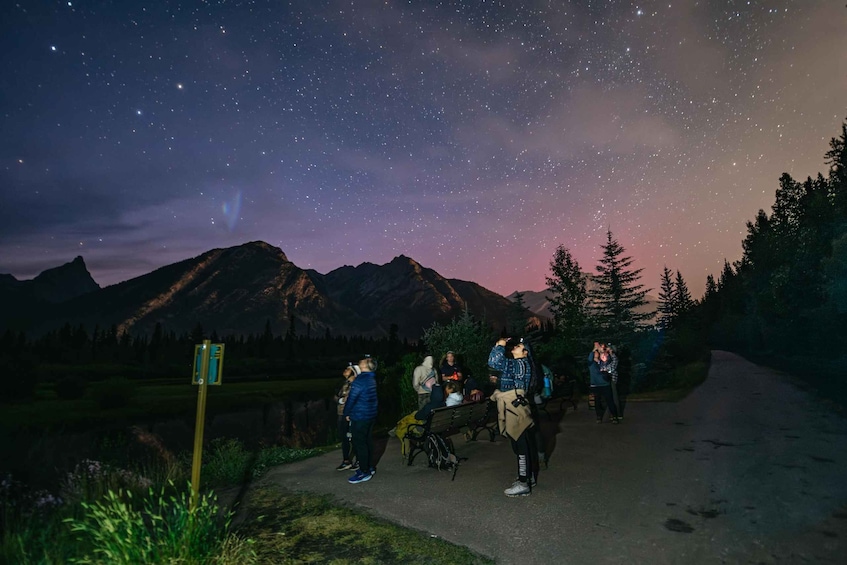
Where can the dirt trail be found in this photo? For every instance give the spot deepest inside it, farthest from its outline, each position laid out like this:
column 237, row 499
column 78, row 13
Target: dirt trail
column 747, row 469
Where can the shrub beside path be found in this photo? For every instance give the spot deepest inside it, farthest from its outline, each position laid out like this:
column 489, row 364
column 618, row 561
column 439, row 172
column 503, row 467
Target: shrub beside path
column 749, row 468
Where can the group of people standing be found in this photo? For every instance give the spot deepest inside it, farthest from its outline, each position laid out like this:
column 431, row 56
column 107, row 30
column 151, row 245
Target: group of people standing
column 516, row 382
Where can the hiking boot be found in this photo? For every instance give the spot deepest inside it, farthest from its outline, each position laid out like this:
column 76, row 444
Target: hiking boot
column 359, row 477
column 344, row 466
column 518, row 489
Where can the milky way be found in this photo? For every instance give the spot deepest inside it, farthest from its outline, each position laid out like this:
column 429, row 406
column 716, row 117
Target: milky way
column 472, row 136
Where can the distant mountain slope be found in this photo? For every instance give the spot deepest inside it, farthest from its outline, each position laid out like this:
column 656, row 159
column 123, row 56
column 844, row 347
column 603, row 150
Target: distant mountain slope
column 239, row 289
column 412, row 296
column 22, row 302
column 234, row 290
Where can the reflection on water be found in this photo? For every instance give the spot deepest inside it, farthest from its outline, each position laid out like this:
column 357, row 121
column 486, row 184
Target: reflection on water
column 37, row 456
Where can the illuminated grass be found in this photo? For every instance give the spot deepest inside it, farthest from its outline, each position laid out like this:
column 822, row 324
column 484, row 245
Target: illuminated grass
column 303, row 528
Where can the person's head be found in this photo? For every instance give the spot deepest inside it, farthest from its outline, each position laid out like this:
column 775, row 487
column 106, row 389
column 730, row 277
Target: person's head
column 610, row 348
column 516, row 348
column 368, row 364
column 450, row 387
column 450, row 357
column 349, row 373
column 596, row 346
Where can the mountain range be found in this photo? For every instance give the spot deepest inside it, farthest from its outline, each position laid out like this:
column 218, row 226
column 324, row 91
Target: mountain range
column 238, row 290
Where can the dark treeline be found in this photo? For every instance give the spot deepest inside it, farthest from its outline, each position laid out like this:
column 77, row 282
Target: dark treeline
column 98, row 354
column 785, row 302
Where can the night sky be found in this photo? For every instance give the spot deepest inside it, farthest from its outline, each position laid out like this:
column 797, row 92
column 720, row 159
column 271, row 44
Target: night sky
column 472, row 136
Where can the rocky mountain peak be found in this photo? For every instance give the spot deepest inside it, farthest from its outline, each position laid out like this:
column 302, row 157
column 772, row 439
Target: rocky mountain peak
column 64, row 282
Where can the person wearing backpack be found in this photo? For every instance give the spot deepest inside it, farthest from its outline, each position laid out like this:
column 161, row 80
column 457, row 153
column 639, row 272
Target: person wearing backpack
column 516, row 385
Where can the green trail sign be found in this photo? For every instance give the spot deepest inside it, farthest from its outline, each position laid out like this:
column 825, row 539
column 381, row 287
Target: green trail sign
column 215, row 366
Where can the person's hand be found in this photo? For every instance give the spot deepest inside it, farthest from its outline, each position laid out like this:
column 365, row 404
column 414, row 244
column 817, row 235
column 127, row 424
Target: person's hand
column 501, row 342
column 347, row 418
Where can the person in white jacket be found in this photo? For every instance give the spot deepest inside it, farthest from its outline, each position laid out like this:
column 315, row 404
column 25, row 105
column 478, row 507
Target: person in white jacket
column 423, row 379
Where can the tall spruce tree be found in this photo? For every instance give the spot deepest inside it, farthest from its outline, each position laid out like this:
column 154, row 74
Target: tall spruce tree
column 682, row 297
column 711, row 287
column 666, row 300
column 517, row 315
column 618, row 294
column 567, row 294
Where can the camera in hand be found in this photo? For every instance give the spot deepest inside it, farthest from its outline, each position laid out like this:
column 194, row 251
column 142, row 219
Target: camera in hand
column 520, row 401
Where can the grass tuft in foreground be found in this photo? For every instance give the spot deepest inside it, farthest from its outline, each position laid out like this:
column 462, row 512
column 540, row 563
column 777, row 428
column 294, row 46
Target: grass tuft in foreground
column 301, row 528
column 160, row 528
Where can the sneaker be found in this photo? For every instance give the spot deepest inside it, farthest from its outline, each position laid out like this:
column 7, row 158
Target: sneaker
column 373, row 470
column 599, row 421
column 531, row 481
column 355, row 466
column 518, row 489
column 359, row 477
column 344, row 466
column 614, row 420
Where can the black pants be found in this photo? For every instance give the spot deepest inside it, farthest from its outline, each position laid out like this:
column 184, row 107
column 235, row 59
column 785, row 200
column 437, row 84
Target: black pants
column 604, row 392
column 525, row 448
column 346, row 445
column 363, row 443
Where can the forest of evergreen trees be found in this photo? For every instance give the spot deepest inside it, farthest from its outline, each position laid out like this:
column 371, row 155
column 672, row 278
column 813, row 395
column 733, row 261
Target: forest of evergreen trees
column 76, row 353
column 785, row 302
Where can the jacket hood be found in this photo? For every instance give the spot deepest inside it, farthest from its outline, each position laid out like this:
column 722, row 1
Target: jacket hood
column 427, row 362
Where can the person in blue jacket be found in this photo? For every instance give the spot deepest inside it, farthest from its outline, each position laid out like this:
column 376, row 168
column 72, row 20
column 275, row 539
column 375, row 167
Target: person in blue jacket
column 361, row 409
column 512, row 359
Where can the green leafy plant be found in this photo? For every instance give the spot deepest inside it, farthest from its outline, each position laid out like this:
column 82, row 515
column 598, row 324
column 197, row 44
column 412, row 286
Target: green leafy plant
column 469, row 338
column 227, row 462
column 160, row 528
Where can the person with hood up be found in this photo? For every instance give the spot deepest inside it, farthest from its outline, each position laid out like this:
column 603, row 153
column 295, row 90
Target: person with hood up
column 423, row 380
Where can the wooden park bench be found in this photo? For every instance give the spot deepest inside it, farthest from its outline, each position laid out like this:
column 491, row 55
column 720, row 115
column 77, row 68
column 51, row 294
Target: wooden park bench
column 562, row 392
column 433, row 436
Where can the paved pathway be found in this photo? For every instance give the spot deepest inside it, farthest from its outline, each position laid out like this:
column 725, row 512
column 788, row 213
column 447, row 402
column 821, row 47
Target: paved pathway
column 747, row 469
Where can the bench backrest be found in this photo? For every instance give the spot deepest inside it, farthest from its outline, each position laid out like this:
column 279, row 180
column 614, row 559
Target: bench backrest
column 454, row 417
